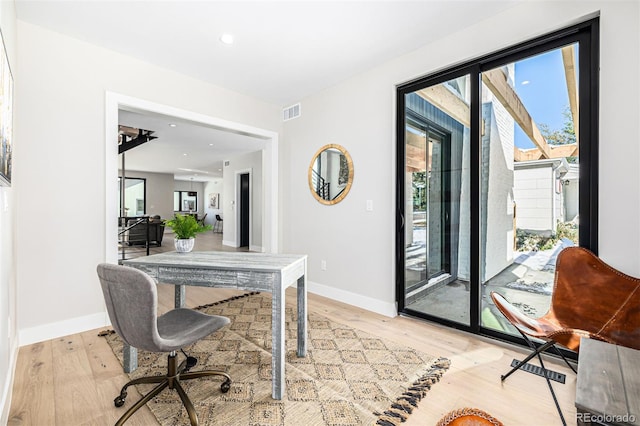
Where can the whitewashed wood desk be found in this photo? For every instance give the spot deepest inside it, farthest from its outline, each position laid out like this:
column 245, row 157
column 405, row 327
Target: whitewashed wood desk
column 245, row 271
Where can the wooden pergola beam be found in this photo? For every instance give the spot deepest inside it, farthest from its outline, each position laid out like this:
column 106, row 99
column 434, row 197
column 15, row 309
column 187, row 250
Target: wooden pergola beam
column 496, row 81
column 561, row 151
column 569, row 61
column 444, row 99
column 557, row 151
column 415, row 153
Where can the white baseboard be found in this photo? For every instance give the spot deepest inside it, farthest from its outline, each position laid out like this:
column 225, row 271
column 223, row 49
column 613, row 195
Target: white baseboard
column 229, row 243
column 62, row 328
column 364, row 302
column 5, row 400
column 257, row 249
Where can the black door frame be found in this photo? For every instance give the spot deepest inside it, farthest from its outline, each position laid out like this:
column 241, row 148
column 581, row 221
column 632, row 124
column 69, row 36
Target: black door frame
column 587, row 35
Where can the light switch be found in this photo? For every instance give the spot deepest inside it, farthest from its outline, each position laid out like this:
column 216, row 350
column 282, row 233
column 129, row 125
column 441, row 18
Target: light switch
column 369, row 205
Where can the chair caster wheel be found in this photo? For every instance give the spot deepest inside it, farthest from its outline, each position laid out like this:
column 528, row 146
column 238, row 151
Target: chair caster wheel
column 225, row 386
column 119, row 401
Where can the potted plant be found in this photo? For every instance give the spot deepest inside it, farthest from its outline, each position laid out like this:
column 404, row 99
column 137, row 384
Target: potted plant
column 185, row 229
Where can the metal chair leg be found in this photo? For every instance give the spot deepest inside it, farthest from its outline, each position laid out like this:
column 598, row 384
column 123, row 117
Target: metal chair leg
column 536, row 351
column 155, row 391
column 553, row 394
column 191, row 411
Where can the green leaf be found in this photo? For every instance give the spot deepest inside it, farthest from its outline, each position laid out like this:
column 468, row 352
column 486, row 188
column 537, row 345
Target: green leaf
column 185, row 227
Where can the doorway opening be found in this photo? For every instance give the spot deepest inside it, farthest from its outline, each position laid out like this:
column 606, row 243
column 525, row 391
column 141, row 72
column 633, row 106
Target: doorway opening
column 116, row 102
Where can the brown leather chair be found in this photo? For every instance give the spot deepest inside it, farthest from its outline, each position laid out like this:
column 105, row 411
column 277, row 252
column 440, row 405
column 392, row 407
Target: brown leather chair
column 590, row 299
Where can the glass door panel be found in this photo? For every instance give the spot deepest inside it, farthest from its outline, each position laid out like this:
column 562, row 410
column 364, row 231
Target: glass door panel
column 436, row 231
column 529, row 179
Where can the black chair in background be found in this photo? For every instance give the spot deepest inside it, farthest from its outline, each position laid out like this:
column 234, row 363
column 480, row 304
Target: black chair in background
column 201, row 221
column 217, row 226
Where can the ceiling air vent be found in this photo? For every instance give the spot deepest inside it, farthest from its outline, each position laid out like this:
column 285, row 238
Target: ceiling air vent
column 291, row 112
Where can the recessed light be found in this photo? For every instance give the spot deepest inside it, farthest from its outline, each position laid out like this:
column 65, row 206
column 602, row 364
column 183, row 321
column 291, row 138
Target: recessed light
column 172, row 125
column 226, row 38
column 185, row 154
column 210, row 144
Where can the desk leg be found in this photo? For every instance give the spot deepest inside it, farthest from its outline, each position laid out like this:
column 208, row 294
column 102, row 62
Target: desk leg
column 278, row 353
column 130, row 358
column 179, row 296
column 302, row 315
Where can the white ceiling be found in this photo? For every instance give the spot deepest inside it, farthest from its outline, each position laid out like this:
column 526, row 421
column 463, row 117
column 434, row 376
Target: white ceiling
column 189, row 151
column 283, row 51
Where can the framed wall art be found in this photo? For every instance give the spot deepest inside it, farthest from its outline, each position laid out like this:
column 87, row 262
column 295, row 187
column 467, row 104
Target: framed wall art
column 214, row 200
column 6, row 116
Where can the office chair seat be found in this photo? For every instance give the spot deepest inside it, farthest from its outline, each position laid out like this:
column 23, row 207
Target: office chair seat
column 181, row 327
column 132, row 302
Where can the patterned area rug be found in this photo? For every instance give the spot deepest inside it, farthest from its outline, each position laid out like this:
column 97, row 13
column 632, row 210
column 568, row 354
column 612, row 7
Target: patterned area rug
column 348, row 377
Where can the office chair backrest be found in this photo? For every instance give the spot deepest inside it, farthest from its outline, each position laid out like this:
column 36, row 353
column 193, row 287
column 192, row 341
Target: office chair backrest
column 218, row 218
column 590, row 295
column 132, row 303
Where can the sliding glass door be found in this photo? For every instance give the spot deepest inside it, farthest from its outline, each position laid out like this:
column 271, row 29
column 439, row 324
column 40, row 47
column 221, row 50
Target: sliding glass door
column 530, row 188
column 496, row 174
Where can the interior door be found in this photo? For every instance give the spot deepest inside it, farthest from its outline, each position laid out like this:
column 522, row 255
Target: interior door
column 244, row 210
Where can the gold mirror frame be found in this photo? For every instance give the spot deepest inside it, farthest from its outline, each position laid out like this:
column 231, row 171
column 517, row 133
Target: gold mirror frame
column 346, row 189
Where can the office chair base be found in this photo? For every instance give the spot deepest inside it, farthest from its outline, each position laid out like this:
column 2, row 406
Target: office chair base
column 175, row 374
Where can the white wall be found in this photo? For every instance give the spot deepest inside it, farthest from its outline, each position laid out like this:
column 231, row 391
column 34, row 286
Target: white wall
column 358, row 246
column 8, row 338
column 249, row 163
column 61, row 88
column 62, row 84
column 532, row 192
column 497, row 169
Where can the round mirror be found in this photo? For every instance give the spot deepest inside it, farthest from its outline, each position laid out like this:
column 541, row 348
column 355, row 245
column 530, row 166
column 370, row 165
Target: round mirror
column 330, row 174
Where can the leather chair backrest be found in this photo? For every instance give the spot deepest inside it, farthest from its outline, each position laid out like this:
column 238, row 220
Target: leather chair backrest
column 592, row 296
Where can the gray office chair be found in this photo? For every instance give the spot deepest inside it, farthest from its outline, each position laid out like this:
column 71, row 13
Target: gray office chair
column 132, row 302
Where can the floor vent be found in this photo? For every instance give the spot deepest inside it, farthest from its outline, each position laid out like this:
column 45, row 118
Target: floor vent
column 291, row 112
column 534, row 369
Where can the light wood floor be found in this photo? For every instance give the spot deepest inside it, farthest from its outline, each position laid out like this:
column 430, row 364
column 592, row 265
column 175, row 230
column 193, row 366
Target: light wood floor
column 73, row 380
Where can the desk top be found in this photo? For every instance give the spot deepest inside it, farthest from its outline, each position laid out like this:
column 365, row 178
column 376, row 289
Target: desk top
column 232, row 261
column 609, row 382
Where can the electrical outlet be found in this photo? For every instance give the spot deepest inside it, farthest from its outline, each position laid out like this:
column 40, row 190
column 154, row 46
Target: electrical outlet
column 323, row 265
column 369, row 207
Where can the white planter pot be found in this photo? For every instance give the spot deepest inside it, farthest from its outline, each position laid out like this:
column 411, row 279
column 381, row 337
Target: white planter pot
column 184, row 245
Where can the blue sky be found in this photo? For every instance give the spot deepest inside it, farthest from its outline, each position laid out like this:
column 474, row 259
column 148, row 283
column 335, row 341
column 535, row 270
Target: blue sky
column 541, row 85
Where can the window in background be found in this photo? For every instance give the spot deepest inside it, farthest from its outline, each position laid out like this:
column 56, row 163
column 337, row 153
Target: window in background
column 135, row 190
column 185, row 201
